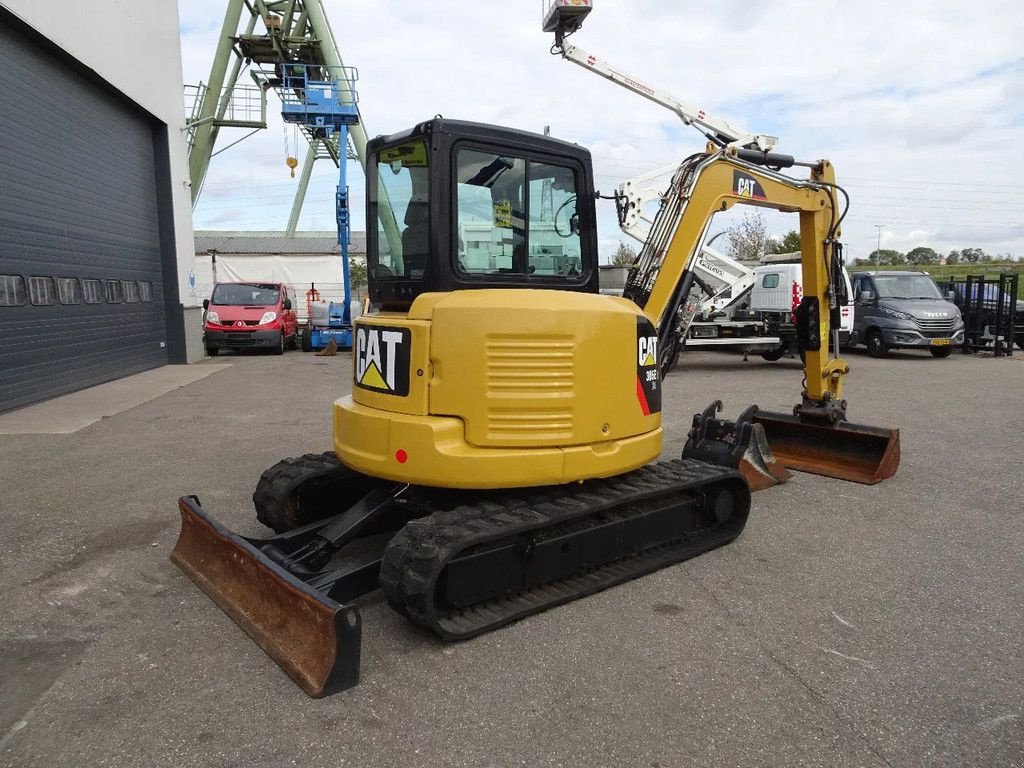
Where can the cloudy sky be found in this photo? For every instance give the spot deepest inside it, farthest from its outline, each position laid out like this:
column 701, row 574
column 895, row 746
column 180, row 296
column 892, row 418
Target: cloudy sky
column 919, row 105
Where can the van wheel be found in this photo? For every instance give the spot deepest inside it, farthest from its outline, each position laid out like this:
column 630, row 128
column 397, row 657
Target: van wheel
column 876, row 344
column 212, row 351
column 1020, row 341
column 279, row 349
column 941, row 351
column 774, row 354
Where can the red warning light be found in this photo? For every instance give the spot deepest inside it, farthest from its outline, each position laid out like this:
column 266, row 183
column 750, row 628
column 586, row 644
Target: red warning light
column 401, row 456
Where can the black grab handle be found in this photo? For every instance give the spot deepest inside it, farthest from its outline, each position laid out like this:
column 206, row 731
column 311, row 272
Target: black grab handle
column 770, row 159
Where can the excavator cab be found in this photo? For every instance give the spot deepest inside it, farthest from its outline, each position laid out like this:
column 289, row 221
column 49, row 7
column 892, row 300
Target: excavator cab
column 460, row 205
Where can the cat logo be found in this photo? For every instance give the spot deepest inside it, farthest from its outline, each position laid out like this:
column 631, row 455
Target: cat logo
column 647, row 351
column 745, row 185
column 648, row 374
column 382, row 359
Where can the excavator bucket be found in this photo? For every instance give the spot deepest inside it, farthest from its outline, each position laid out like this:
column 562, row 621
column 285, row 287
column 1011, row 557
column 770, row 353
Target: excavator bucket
column 845, row 450
column 763, row 446
column 741, row 444
column 313, row 638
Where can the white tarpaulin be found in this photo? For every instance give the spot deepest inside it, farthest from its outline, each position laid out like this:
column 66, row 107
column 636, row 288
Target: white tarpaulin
column 299, row 260
column 298, row 270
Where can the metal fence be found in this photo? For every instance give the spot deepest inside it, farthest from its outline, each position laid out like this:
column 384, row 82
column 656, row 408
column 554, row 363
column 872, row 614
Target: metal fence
column 327, row 292
column 992, row 321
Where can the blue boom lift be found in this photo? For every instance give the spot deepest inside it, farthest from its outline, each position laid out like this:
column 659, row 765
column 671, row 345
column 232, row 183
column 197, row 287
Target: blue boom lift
column 323, row 99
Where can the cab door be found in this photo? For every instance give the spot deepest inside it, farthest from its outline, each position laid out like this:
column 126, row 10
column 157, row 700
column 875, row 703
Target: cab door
column 289, row 315
column 848, row 311
column 865, row 309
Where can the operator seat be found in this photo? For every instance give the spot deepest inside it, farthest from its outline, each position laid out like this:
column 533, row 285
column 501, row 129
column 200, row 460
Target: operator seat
column 416, row 238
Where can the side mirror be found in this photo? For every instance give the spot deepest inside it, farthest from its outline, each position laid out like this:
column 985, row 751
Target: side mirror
column 866, row 297
column 287, row 303
column 206, row 303
column 950, row 295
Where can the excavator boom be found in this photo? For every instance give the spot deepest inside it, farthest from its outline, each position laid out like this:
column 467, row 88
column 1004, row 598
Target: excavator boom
column 741, row 167
column 816, row 437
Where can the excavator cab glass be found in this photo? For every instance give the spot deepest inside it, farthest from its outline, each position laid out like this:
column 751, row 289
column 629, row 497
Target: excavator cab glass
column 456, row 205
column 515, row 217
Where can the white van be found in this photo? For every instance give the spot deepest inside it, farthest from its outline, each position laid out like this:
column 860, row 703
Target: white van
column 778, row 289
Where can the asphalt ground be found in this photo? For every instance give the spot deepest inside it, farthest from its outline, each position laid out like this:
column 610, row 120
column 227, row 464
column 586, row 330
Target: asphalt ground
column 848, row 625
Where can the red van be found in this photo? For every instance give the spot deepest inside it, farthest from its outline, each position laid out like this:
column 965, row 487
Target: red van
column 248, row 316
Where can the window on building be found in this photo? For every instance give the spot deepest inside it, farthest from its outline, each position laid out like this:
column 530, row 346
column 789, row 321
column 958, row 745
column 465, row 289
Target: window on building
column 69, row 290
column 93, row 291
column 131, row 291
column 12, row 291
column 145, row 290
column 42, row 291
column 115, row 292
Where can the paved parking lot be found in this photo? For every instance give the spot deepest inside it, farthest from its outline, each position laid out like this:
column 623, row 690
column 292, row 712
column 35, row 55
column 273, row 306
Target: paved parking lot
column 849, row 625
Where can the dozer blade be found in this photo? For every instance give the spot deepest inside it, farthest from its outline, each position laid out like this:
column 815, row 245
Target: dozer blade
column 846, row 451
column 740, row 444
column 314, row 639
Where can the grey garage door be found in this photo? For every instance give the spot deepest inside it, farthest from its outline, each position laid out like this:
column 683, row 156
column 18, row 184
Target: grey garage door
column 81, row 294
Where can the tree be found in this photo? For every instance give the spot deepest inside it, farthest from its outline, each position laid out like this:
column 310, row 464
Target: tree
column 356, row 274
column 953, row 257
column 887, row 256
column 923, row 255
column 790, row 243
column 972, row 255
column 748, row 238
column 624, row 255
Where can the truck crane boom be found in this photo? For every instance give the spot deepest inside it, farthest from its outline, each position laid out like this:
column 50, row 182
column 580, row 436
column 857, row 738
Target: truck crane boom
column 715, row 129
column 566, row 16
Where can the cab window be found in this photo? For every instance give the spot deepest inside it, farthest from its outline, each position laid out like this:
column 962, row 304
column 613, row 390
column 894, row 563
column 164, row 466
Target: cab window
column 400, row 203
column 770, row 280
column 515, row 216
column 554, row 234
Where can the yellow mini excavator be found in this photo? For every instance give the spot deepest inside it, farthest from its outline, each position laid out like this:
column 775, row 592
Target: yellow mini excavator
column 497, row 455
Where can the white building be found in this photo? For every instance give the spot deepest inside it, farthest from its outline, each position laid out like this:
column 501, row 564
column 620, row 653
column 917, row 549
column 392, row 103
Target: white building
column 96, row 248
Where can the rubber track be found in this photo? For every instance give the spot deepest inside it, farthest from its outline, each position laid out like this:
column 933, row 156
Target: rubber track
column 273, row 498
column 416, row 557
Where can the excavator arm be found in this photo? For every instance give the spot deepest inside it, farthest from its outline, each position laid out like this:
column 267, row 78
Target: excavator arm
column 714, row 182
column 742, row 167
column 816, row 437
